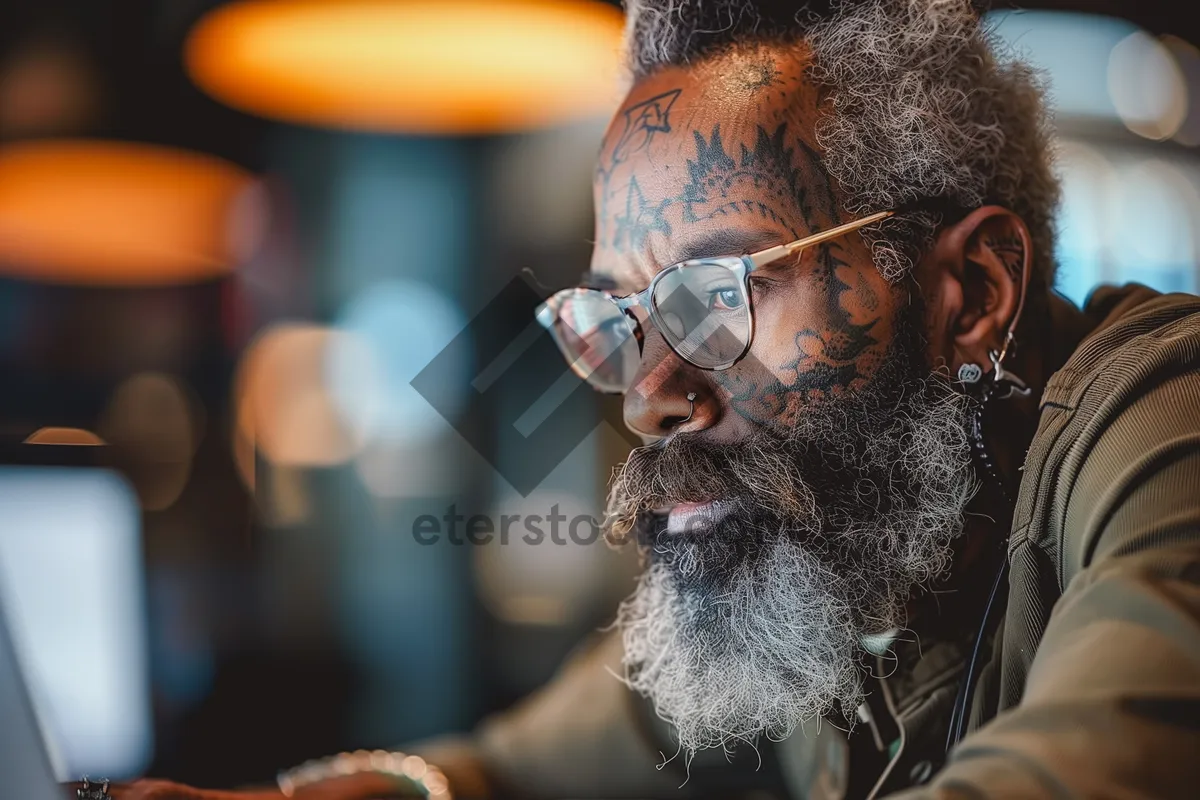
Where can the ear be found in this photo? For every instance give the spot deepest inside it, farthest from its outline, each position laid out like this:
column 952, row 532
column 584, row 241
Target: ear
column 975, row 280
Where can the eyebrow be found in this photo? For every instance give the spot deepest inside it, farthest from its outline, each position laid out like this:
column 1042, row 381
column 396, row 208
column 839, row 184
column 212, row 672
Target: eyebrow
column 727, row 242
column 709, row 244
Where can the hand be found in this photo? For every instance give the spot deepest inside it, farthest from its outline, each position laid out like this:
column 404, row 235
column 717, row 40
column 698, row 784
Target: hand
column 351, row 787
column 166, row 790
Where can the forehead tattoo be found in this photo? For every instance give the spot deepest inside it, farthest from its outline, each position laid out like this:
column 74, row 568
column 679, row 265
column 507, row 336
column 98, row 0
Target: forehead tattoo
column 789, row 187
column 642, row 121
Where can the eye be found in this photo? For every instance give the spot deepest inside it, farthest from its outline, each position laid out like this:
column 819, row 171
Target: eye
column 729, row 299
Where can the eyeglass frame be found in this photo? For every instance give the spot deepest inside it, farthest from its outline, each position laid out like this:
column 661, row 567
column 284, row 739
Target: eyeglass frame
column 740, row 266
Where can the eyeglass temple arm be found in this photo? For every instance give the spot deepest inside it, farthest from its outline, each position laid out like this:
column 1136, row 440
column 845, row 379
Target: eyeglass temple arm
column 763, row 257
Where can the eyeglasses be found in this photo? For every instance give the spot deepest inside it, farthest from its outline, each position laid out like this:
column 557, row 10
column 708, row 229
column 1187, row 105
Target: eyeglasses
column 702, row 308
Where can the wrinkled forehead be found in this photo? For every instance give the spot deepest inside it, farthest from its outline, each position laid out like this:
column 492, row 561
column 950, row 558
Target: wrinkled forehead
column 719, row 154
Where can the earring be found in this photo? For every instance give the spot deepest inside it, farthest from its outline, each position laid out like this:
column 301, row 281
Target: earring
column 1006, row 383
column 1002, row 384
column 691, row 398
column 970, row 373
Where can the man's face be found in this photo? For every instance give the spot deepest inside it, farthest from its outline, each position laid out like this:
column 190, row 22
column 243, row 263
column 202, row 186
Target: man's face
column 721, row 160
column 816, row 482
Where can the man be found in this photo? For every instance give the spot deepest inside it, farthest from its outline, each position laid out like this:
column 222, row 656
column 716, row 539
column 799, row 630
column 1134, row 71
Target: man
column 911, row 523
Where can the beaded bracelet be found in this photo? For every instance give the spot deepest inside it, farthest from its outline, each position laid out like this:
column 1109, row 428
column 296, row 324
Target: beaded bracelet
column 413, row 772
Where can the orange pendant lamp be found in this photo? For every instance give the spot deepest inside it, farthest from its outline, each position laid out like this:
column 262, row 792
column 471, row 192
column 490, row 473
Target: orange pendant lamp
column 412, row 66
column 100, row 213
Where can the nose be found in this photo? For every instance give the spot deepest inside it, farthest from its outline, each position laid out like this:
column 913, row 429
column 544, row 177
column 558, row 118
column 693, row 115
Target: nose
column 656, row 404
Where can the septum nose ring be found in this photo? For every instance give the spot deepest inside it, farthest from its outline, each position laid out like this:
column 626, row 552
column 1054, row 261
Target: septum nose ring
column 691, row 397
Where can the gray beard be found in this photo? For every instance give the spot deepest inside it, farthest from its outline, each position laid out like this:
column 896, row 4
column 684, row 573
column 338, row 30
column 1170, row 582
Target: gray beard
column 757, row 624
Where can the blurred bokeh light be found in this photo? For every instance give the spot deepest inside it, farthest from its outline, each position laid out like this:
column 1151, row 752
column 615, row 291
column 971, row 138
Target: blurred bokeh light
column 285, row 411
column 51, row 435
column 1187, row 58
column 154, row 426
column 421, row 66
column 1146, row 86
column 403, row 325
column 46, row 85
column 1123, row 101
column 119, row 214
column 543, row 571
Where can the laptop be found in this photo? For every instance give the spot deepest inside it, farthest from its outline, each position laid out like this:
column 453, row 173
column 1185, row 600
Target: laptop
column 25, row 767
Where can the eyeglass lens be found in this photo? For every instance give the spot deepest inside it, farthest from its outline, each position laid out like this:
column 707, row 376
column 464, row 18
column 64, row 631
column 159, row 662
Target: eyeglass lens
column 701, row 309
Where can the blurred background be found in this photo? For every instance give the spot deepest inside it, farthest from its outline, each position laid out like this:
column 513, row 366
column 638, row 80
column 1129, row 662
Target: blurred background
column 232, row 235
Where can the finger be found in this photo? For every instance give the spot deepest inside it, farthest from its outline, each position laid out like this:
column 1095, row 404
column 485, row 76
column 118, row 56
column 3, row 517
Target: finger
column 153, row 790
column 161, row 790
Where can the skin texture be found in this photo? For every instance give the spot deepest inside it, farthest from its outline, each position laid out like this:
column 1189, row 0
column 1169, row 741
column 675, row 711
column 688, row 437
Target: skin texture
column 721, row 158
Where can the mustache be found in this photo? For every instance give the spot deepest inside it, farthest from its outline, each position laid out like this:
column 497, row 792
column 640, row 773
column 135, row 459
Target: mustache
column 687, row 469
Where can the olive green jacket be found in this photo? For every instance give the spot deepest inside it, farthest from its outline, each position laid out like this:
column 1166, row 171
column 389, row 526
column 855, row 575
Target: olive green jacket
column 1088, row 683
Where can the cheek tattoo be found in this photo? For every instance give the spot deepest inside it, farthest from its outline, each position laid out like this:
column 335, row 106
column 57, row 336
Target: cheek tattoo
column 839, row 355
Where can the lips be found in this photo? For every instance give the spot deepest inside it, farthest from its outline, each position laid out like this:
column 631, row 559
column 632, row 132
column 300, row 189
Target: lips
column 697, row 517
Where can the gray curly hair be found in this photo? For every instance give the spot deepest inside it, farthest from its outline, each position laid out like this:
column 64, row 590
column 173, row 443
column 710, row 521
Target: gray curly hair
column 921, row 109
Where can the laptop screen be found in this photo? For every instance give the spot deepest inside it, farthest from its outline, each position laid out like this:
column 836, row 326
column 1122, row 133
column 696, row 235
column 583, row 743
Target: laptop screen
column 72, row 589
